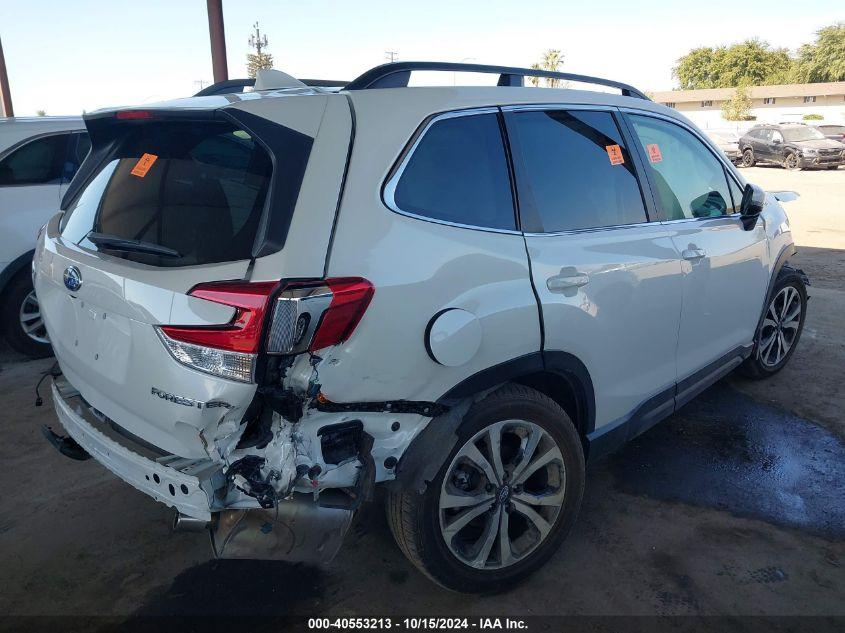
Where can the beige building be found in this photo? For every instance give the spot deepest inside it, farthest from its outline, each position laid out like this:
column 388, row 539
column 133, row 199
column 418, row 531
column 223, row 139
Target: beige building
column 770, row 104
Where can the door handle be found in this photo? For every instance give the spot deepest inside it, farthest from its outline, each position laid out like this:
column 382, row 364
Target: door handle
column 694, row 253
column 562, row 283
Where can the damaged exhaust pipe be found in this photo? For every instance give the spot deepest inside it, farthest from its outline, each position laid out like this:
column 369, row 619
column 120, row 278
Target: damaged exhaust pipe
column 184, row 523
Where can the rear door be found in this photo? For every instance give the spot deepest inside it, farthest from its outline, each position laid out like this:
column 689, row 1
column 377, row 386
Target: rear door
column 174, row 204
column 725, row 274
column 608, row 278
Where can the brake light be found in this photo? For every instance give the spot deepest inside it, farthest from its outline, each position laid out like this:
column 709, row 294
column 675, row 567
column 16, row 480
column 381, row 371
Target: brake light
column 309, row 315
column 226, row 350
column 133, row 115
column 350, row 298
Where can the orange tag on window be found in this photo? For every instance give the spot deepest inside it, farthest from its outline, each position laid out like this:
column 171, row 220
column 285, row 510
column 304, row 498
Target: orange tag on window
column 143, row 165
column 654, row 154
column 614, row 152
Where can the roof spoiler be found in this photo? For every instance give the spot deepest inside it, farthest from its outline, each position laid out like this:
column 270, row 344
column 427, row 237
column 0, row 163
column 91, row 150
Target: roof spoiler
column 397, row 75
column 231, row 86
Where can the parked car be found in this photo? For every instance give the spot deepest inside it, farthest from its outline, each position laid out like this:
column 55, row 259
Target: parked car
column 794, row 146
column 264, row 306
column 833, row 132
column 728, row 142
column 38, row 158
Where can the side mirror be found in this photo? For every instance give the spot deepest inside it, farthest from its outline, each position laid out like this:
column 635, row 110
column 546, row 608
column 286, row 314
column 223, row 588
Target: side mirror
column 777, row 140
column 753, row 200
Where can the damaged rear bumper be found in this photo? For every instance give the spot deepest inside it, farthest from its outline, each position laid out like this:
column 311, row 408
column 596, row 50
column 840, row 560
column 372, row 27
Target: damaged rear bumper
column 184, row 484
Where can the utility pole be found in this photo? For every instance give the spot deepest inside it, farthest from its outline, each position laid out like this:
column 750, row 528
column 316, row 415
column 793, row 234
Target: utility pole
column 217, row 34
column 391, row 56
column 256, row 41
column 5, row 92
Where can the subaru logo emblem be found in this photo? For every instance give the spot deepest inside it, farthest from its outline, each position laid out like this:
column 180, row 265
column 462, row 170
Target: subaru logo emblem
column 73, row 278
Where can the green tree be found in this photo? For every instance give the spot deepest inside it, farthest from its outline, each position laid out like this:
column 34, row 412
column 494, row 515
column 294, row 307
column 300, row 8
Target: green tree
column 738, row 107
column 258, row 61
column 824, row 59
column 41, row 113
column 750, row 63
column 552, row 61
column 535, row 81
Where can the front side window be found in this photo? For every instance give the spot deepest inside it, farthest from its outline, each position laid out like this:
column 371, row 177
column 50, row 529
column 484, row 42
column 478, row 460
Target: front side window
column 573, row 171
column 689, row 179
column 458, row 173
column 38, row 162
column 197, row 190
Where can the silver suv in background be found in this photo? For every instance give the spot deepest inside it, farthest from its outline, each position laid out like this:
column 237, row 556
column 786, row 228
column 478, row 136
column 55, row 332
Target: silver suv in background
column 265, row 304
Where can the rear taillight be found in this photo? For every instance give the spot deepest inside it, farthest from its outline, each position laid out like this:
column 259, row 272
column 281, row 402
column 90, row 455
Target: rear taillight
column 227, row 350
column 307, row 316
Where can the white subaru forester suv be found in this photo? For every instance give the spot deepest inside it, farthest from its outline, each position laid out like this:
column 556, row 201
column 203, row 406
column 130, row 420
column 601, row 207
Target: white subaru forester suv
column 264, row 304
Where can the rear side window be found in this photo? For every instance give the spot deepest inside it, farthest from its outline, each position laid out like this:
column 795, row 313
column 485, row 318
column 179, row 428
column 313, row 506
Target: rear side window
column 197, row 189
column 690, row 181
column 573, row 171
column 40, row 161
column 458, row 173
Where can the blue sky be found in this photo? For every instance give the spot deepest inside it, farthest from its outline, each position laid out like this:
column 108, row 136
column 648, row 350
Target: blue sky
column 64, row 57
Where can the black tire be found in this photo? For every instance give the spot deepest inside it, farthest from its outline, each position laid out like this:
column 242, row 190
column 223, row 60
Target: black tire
column 756, row 366
column 748, row 158
column 415, row 518
column 14, row 296
column 832, row 167
column 791, row 162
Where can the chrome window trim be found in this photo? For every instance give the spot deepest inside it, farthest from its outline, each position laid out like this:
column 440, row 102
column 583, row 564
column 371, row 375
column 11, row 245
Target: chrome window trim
column 389, row 188
column 533, row 107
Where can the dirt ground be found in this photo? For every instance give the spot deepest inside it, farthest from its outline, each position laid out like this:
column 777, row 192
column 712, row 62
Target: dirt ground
column 735, row 506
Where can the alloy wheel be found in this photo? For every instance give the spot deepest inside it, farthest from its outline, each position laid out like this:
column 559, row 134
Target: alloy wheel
column 747, row 158
column 31, row 321
column 502, row 494
column 780, row 327
column 791, row 161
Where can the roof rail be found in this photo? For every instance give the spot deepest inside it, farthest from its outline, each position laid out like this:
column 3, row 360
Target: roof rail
column 230, row 86
column 397, row 74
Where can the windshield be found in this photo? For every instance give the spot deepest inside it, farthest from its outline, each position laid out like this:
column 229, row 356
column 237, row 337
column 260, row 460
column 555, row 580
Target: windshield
column 804, row 133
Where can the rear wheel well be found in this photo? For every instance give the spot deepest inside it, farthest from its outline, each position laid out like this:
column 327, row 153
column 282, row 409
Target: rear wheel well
column 565, row 391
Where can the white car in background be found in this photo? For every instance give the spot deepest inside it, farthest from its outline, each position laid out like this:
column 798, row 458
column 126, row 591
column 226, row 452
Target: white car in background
column 38, row 158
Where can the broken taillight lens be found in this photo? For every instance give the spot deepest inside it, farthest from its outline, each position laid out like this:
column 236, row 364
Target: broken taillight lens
column 226, row 350
column 350, row 298
column 309, row 316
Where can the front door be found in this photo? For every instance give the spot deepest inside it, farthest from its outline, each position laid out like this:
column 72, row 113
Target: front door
column 608, row 280
column 725, row 276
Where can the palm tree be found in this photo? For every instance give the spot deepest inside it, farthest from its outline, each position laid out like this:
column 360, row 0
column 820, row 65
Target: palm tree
column 552, row 61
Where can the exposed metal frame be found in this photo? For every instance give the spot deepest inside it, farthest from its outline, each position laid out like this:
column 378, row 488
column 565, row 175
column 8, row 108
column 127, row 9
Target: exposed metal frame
column 397, row 74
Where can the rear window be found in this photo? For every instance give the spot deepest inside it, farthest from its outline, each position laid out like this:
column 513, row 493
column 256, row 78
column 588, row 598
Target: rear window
column 458, row 174
column 196, row 189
